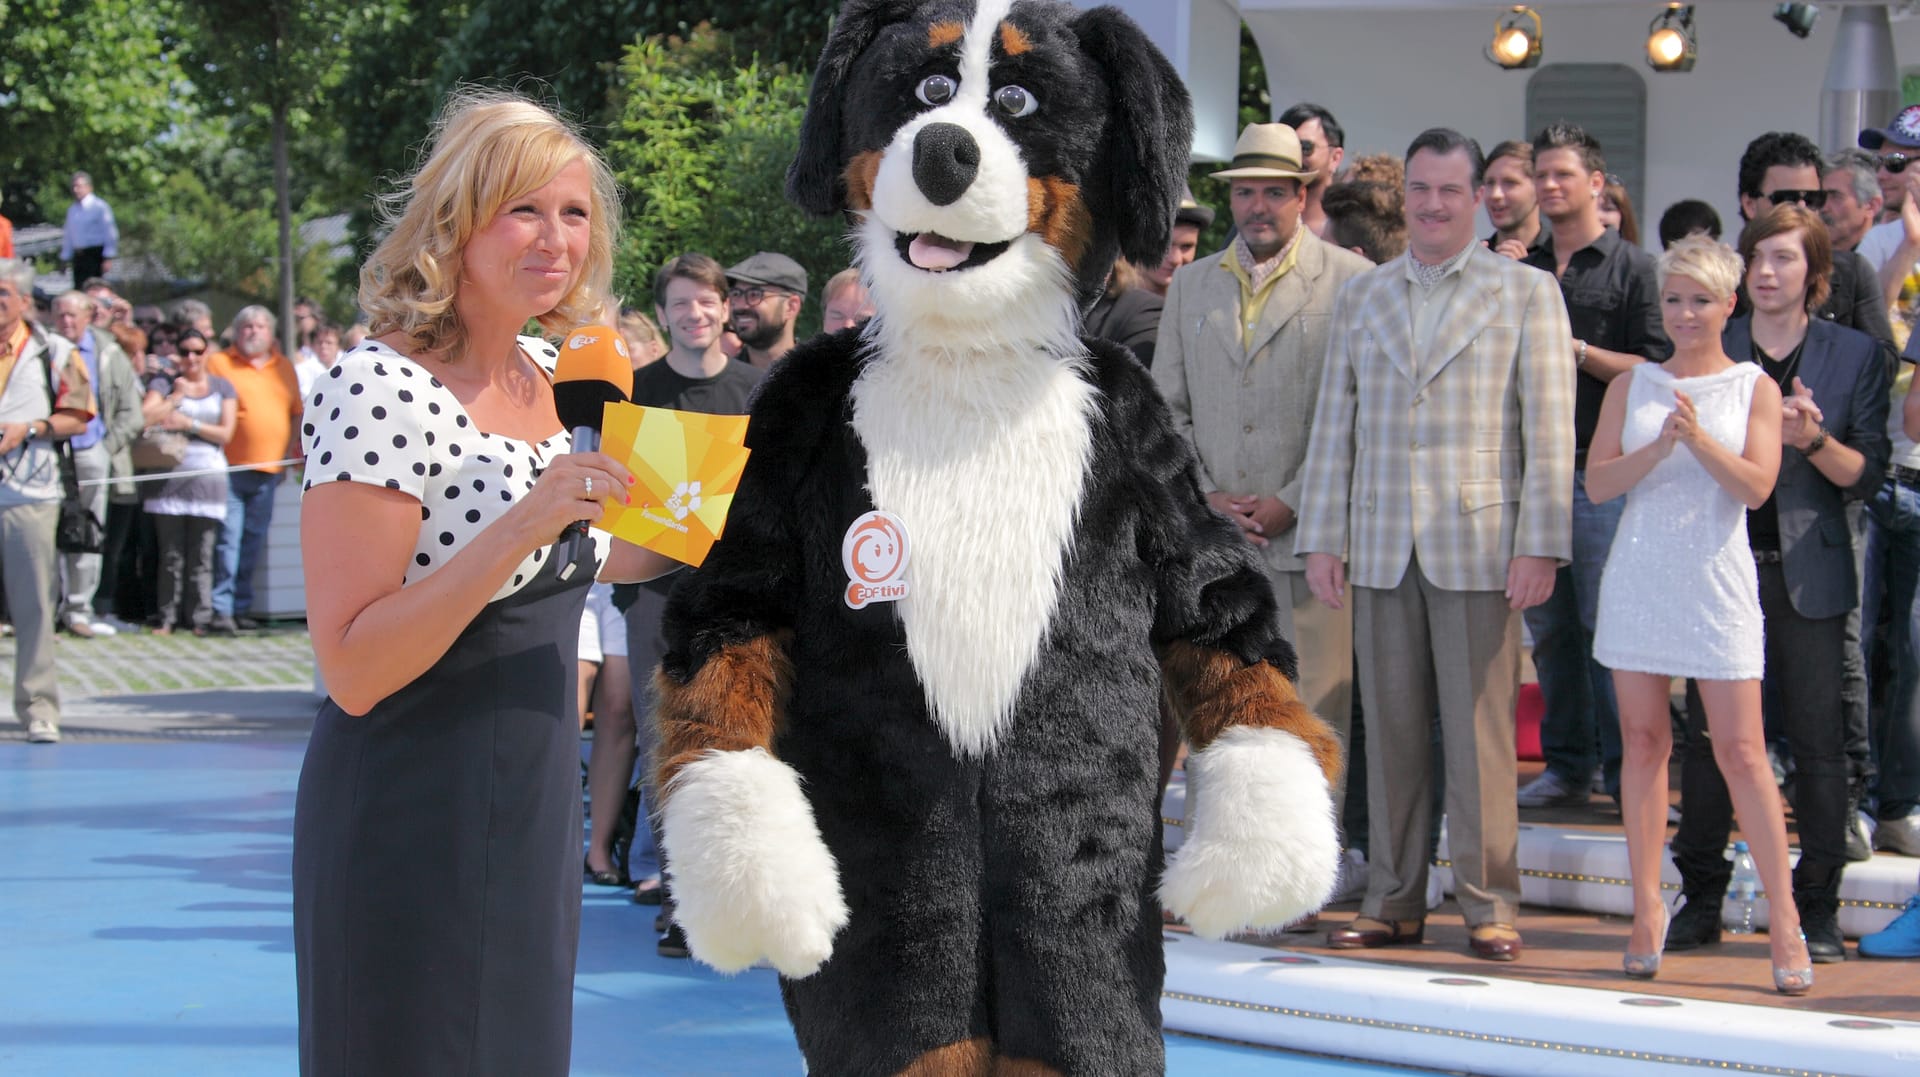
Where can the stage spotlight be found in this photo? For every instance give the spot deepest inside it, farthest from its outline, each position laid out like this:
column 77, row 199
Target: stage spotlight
column 1516, row 40
column 1797, row 18
column 1672, row 44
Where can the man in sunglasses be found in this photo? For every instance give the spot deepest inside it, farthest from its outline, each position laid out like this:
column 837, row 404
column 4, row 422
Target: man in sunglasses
column 1777, row 168
column 1322, row 151
column 1893, row 246
column 764, row 296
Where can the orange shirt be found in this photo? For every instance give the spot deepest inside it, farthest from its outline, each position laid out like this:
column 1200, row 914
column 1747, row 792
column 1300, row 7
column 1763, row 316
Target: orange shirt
column 269, row 404
column 6, row 238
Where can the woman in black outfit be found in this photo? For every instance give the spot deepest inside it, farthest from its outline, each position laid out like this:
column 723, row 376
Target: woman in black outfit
column 437, row 830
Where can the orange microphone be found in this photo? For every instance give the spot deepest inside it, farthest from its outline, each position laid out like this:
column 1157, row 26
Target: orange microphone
column 593, row 370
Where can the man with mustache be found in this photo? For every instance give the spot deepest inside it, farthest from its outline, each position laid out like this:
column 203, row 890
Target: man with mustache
column 267, row 432
column 1242, row 343
column 764, row 297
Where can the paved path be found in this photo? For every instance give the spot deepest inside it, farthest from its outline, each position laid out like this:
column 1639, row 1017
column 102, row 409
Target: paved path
column 139, row 686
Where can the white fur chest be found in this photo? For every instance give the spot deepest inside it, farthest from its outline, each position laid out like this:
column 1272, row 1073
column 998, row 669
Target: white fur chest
column 983, row 459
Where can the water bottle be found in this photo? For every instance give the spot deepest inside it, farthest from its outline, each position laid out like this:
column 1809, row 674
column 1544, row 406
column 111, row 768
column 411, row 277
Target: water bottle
column 1742, row 892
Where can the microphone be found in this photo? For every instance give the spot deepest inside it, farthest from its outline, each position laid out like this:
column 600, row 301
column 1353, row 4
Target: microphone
column 593, row 370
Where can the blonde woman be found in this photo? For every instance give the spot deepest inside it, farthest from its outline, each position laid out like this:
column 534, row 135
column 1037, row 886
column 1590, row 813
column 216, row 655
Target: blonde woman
column 436, row 900
column 1692, row 443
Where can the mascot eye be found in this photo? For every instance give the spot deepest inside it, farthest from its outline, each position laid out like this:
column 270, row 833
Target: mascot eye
column 1015, row 101
column 935, row 90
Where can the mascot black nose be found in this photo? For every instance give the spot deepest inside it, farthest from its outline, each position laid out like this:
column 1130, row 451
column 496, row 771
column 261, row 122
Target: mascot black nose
column 945, row 160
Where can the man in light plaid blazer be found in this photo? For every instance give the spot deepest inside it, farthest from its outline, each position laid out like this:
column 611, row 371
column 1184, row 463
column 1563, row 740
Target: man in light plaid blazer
column 1439, row 480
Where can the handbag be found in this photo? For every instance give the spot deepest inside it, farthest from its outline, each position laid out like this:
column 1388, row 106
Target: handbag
column 158, row 449
column 79, row 530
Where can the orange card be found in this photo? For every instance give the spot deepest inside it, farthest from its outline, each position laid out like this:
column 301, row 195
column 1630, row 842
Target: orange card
column 686, row 469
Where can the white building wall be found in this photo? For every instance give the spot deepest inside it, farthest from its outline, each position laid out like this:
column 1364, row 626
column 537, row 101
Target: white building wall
column 1391, row 68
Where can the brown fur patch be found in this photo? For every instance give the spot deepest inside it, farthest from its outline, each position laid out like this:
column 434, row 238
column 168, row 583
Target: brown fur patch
column 859, row 175
column 1013, row 40
column 968, row 1058
column 1023, row 1067
column 942, row 34
column 1216, row 692
column 1056, row 214
column 736, row 701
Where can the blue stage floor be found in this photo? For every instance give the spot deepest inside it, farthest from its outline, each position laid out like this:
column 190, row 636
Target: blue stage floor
column 145, row 893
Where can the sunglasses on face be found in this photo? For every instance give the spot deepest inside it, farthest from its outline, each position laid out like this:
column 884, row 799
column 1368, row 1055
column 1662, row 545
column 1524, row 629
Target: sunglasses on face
column 753, row 295
column 193, row 351
column 1810, row 199
column 1895, row 163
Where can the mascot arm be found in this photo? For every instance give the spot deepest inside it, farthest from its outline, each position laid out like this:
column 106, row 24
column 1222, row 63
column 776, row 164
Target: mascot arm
column 752, row 877
column 1261, row 848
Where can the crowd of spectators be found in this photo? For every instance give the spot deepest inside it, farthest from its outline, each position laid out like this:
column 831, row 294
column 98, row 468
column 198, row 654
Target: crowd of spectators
column 176, row 546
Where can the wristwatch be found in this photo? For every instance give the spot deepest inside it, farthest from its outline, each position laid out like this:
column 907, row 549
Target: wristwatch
column 1819, row 442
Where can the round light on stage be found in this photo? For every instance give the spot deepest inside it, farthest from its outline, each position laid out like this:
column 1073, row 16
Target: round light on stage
column 1672, row 43
column 1516, row 40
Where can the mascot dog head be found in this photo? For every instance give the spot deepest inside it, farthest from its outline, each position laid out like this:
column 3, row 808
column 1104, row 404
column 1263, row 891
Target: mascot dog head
column 996, row 155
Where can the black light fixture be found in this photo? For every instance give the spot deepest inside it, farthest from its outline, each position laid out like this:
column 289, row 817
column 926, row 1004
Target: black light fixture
column 1797, row 18
column 1672, row 43
column 1516, row 39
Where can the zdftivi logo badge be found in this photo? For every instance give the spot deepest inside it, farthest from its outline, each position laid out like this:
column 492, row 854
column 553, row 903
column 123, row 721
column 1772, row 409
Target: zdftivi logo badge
column 874, row 554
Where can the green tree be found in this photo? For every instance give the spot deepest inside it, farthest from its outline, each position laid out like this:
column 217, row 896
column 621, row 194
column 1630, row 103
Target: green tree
column 85, row 85
column 271, row 60
column 701, row 145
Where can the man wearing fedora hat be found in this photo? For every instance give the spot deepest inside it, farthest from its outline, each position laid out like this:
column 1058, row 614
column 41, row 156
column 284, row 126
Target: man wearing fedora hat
column 1183, row 246
column 1243, row 338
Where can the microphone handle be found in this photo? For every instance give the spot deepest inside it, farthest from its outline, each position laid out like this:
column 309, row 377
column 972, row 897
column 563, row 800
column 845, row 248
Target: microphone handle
column 585, row 439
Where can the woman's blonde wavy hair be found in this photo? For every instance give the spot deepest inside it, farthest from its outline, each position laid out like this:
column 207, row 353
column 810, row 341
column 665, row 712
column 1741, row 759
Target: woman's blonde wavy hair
column 487, row 148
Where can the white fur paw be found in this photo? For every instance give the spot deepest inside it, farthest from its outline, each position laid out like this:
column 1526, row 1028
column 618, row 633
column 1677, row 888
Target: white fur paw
column 1262, row 849
column 751, row 876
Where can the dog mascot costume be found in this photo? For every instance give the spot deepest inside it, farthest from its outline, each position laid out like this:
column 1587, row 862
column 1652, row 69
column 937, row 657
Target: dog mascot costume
column 909, row 709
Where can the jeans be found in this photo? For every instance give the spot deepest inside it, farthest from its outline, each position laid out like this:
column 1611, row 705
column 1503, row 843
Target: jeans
column 186, row 569
column 1893, row 584
column 1804, row 669
column 1581, row 726
column 249, row 513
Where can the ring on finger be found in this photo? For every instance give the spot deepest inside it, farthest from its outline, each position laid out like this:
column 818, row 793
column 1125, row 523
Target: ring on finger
column 589, row 481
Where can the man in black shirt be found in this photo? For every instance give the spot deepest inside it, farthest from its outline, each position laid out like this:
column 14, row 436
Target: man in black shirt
column 1777, row 168
column 1611, row 290
column 690, row 301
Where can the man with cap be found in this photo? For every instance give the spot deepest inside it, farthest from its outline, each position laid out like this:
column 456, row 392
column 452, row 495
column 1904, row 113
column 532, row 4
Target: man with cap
column 1183, row 246
column 764, row 295
column 1893, row 245
column 1243, row 340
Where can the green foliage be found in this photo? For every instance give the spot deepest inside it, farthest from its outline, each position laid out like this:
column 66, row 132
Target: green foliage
column 702, row 145
column 1256, row 106
column 85, row 85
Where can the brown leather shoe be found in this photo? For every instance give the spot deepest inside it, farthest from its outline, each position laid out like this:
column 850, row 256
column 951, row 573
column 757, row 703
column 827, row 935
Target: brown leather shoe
column 1495, row 942
column 1366, row 933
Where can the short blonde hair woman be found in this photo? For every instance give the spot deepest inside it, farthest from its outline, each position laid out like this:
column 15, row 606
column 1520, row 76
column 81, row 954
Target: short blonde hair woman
column 1693, row 443
column 438, row 817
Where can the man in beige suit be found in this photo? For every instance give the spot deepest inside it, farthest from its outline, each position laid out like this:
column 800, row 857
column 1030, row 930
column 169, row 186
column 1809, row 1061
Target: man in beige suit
column 1439, row 480
column 1243, row 340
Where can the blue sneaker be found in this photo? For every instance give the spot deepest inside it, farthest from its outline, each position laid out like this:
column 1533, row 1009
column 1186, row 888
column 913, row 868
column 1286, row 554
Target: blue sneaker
column 1898, row 939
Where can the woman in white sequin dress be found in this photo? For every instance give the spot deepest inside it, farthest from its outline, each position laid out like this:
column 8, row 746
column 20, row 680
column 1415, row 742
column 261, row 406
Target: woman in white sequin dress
column 1692, row 443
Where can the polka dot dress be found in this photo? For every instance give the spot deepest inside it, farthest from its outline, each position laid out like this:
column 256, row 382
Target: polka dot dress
column 379, row 418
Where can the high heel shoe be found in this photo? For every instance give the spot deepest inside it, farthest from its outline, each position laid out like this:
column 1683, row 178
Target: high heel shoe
column 1647, row 966
column 603, row 878
column 1792, row 981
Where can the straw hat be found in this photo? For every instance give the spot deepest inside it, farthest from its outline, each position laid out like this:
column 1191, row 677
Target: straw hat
column 1266, row 151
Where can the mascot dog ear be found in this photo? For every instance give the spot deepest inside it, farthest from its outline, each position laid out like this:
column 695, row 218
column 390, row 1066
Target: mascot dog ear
column 816, row 181
column 1149, row 136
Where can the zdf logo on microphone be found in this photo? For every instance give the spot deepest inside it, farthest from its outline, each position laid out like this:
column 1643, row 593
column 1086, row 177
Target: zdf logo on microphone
column 874, row 553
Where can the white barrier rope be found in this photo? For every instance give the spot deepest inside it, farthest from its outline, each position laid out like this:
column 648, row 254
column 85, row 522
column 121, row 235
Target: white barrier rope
column 161, row 476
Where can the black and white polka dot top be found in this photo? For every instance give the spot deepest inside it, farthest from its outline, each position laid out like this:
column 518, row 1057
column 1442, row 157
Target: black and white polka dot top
column 379, row 418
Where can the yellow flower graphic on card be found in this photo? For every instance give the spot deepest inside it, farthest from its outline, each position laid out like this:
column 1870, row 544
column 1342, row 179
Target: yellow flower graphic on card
column 684, row 499
column 686, row 467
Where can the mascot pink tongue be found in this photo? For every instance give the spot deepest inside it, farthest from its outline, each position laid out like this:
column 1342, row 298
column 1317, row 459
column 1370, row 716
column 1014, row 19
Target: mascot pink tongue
column 929, row 251
column 928, row 798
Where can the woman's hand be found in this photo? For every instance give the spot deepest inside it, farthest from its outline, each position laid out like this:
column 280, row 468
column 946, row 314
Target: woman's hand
column 1684, row 419
column 571, row 488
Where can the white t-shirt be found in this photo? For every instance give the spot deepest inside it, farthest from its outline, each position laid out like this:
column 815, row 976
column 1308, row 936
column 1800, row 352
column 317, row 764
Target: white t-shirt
column 1881, row 241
